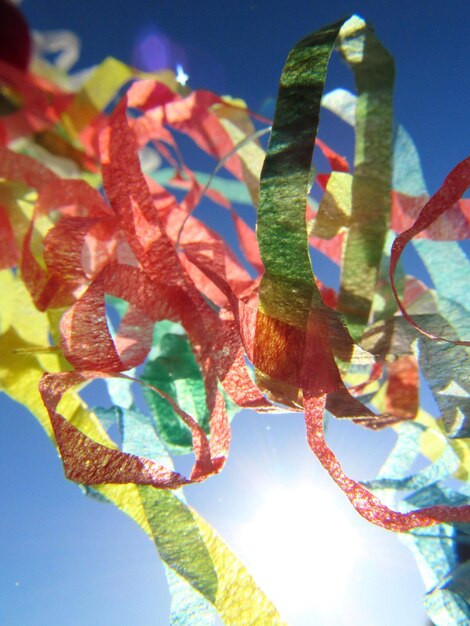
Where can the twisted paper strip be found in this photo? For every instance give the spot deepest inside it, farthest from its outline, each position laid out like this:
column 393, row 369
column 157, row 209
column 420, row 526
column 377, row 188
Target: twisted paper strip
column 144, row 258
column 296, row 332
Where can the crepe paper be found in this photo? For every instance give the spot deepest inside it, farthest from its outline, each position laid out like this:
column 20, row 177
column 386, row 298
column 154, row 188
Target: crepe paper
column 291, row 311
column 9, row 250
column 407, row 173
column 244, row 232
column 192, row 115
column 409, row 193
column 247, row 610
column 402, row 393
column 79, row 322
column 374, row 74
column 59, row 147
column 397, row 467
column 23, row 327
column 19, row 167
column 458, row 588
column 452, row 189
column 175, row 371
column 434, row 439
column 82, row 333
column 79, row 317
column 63, row 44
column 288, row 297
column 341, row 103
column 193, row 563
column 130, row 198
column 447, row 265
column 435, row 548
column 234, row 338
column 75, row 316
column 445, row 368
column 446, row 600
column 35, row 103
column 171, row 256
column 405, row 209
column 239, row 603
column 445, row 466
column 365, row 503
column 139, row 437
column 202, row 568
column 225, row 121
column 99, row 89
column 444, row 608
column 136, row 278
column 410, row 196
column 384, row 305
column 250, row 153
column 172, row 368
column 334, row 211
column 87, row 461
column 232, row 138
column 288, row 291
column 236, row 597
column 233, row 190
column 337, row 162
column 15, row 38
column 187, row 606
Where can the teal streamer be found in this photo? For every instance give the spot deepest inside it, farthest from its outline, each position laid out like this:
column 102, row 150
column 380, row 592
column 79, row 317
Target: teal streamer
column 395, row 473
column 446, row 600
column 140, row 437
column 172, row 367
column 446, row 366
column 449, row 269
column 407, row 173
column 233, row 190
column 445, row 608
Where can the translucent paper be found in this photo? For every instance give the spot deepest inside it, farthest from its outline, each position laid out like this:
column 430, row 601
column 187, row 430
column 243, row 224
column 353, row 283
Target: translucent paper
column 109, row 275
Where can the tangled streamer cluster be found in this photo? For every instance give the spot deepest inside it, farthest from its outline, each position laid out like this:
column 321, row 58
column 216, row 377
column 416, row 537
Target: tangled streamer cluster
column 110, row 275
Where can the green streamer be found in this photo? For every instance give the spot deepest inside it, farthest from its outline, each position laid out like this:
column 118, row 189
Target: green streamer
column 173, row 369
column 288, row 289
column 140, row 437
column 374, row 74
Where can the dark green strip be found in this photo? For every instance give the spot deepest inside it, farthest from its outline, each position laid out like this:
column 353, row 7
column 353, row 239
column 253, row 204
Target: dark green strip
column 288, row 288
column 374, row 73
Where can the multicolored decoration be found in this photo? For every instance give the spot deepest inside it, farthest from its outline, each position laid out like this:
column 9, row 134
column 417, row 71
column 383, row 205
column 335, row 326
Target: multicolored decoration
column 109, row 275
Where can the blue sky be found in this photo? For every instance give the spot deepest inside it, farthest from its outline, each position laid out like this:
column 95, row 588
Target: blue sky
column 65, row 559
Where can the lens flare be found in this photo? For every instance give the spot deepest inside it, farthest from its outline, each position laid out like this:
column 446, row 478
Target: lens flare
column 154, row 50
column 301, row 549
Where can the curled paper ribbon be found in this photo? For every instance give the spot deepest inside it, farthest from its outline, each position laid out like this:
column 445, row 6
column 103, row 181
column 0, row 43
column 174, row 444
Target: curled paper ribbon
column 294, row 330
column 453, row 188
column 297, row 336
column 133, row 276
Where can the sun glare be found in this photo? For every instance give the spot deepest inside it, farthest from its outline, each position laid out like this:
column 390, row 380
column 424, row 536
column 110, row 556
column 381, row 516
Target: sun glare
column 300, row 549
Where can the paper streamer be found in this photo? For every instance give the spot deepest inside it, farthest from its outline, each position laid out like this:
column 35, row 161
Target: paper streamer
column 202, row 559
column 292, row 320
column 436, row 549
column 451, row 191
column 131, row 287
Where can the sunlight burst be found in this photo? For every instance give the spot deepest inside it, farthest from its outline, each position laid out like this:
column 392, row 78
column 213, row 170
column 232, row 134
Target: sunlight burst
column 301, row 549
